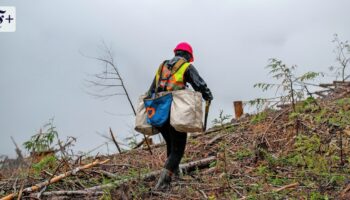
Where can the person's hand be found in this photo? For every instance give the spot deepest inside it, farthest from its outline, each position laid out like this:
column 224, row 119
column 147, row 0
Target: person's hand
column 208, row 97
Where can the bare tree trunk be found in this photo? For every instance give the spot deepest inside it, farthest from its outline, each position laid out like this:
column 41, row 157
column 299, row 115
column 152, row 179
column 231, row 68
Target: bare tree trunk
column 127, row 95
column 106, row 80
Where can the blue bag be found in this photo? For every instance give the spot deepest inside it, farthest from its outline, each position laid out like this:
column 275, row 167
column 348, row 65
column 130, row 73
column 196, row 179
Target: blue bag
column 158, row 109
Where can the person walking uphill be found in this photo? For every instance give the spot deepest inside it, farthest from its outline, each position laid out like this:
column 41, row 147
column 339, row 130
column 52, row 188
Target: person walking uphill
column 173, row 75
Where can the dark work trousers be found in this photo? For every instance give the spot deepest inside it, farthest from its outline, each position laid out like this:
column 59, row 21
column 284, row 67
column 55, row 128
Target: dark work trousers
column 175, row 146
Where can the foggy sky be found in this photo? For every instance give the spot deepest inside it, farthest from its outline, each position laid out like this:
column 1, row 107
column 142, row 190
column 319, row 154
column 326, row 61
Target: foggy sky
column 42, row 72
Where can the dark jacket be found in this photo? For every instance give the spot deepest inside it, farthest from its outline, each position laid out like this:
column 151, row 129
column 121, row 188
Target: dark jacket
column 191, row 76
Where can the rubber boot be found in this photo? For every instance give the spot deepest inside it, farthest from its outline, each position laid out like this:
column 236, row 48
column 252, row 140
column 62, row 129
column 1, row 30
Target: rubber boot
column 164, row 180
column 178, row 174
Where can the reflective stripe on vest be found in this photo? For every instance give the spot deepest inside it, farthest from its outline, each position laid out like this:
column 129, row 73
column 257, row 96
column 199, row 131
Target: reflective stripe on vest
column 174, row 80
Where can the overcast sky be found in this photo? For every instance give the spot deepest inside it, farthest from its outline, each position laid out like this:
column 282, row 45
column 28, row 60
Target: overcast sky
column 42, row 73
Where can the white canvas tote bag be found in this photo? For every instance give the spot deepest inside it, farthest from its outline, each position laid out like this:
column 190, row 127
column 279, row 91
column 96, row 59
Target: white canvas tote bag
column 186, row 112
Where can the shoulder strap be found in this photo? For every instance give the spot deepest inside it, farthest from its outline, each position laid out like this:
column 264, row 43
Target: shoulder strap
column 184, row 67
column 159, row 74
column 177, row 66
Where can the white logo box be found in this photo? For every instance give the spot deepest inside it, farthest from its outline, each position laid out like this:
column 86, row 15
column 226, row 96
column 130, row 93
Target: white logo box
column 7, row 19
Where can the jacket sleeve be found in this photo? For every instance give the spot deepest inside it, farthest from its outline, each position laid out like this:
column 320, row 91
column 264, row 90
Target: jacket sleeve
column 192, row 76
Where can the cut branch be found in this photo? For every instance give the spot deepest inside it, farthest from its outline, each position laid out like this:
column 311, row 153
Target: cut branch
column 55, row 179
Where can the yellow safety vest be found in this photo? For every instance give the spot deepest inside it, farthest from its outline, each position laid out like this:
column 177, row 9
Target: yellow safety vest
column 174, row 79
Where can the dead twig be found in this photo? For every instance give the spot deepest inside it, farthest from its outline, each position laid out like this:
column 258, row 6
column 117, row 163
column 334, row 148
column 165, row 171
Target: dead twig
column 269, row 126
column 345, row 190
column 203, row 193
column 293, row 185
column 52, row 175
column 41, row 192
column 114, row 140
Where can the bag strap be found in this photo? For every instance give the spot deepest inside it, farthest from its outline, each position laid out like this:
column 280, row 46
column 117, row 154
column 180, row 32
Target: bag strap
column 167, row 79
column 159, row 75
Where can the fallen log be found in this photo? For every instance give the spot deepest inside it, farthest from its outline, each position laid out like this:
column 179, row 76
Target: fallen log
column 108, row 174
column 187, row 167
column 215, row 129
column 215, row 139
column 55, row 179
column 69, row 193
column 321, row 93
column 346, row 83
column 326, row 85
column 204, row 163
